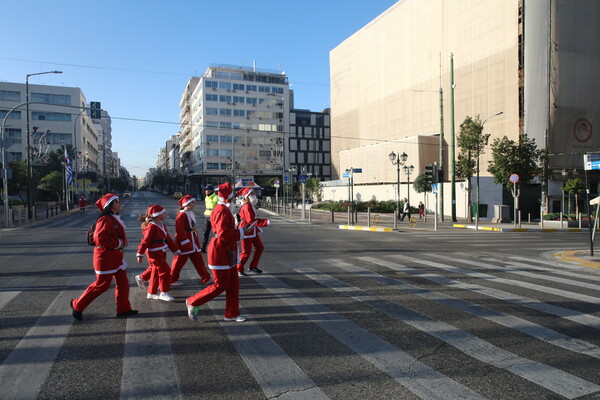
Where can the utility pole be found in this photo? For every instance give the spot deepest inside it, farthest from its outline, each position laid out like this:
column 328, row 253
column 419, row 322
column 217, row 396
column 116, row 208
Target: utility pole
column 452, row 165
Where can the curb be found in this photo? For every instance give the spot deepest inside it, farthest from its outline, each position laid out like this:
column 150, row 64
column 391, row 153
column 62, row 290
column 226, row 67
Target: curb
column 570, row 256
column 365, row 228
column 489, row 228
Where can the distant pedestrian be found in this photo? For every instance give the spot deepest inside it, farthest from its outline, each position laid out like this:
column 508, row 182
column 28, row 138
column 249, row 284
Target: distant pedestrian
column 405, row 210
column 82, row 203
column 155, row 241
column 110, row 238
column 210, row 201
column 421, row 210
column 222, row 259
column 188, row 242
column 247, row 216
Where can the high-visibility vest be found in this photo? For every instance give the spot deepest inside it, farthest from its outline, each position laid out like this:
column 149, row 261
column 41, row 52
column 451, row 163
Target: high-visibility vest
column 210, row 202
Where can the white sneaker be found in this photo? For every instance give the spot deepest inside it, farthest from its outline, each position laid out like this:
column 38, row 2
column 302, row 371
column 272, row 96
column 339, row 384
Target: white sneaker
column 192, row 311
column 176, row 283
column 239, row 318
column 166, row 296
column 140, row 282
column 152, row 296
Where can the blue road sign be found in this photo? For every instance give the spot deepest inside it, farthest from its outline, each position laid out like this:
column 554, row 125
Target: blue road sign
column 357, row 170
column 346, row 175
column 514, row 178
column 591, row 161
column 302, row 178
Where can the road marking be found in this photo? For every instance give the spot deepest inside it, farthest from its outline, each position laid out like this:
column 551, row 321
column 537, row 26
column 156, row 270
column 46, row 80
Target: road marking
column 12, row 288
column 149, row 371
column 543, row 375
column 402, row 367
column 28, row 365
column 571, row 315
column 524, row 326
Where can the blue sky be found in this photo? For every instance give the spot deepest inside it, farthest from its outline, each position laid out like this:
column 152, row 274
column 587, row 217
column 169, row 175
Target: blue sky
column 136, row 56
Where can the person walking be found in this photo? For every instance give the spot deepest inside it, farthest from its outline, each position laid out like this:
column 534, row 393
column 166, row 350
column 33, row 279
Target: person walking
column 188, row 242
column 155, row 241
column 210, row 201
column 82, row 203
column 405, row 210
column 247, row 216
column 222, row 259
column 109, row 238
column 421, row 210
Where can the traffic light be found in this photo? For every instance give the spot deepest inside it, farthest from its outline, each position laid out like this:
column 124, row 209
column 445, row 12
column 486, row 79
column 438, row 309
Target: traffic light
column 95, row 110
column 429, row 174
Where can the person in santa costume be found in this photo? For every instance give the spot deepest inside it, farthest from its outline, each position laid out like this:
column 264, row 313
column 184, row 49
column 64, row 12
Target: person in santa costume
column 82, row 202
column 109, row 238
column 247, row 217
column 222, row 259
column 155, row 241
column 188, row 242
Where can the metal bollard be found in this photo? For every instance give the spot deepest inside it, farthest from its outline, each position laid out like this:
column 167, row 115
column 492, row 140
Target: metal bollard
column 369, row 217
column 47, row 213
column 349, row 215
column 310, row 215
column 395, row 219
column 332, row 217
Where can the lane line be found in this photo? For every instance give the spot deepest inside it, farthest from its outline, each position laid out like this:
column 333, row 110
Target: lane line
column 548, row 377
column 402, row 367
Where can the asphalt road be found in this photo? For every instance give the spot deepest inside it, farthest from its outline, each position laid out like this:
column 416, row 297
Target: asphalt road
column 337, row 314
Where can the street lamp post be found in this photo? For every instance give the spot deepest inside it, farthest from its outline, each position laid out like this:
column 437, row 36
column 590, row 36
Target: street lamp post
column 477, row 190
column 398, row 160
column 408, row 170
column 28, row 149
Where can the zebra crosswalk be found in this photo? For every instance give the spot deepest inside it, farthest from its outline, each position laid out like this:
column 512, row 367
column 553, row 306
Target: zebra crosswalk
column 407, row 325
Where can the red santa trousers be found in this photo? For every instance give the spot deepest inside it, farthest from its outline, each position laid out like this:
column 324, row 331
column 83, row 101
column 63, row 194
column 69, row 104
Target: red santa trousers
column 180, row 260
column 160, row 272
column 247, row 249
column 101, row 285
column 226, row 280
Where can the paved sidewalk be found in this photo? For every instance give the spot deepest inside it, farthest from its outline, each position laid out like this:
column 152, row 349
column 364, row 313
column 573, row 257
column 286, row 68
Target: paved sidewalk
column 581, row 257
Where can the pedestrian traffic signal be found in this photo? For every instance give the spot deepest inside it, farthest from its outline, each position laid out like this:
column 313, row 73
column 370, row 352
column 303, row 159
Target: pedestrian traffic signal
column 429, row 174
column 95, row 110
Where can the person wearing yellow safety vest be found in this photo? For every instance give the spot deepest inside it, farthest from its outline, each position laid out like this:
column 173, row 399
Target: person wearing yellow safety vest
column 210, row 201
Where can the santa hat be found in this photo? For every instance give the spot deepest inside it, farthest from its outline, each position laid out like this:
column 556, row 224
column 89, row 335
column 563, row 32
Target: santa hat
column 245, row 192
column 185, row 200
column 154, row 211
column 105, row 200
column 225, row 192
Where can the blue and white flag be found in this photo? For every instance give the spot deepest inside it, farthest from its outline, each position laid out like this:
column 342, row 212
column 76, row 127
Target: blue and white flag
column 68, row 169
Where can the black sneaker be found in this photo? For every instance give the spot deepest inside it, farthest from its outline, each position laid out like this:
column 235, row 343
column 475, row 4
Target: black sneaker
column 255, row 270
column 127, row 313
column 242, row 273
column 78, row 315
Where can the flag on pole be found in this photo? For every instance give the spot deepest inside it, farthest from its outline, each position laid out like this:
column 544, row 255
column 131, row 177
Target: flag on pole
column 68, row 169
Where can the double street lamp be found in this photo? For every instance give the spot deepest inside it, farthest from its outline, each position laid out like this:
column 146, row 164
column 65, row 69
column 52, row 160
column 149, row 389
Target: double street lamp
column 28, row 149
column 408, row 170
column 398, row 160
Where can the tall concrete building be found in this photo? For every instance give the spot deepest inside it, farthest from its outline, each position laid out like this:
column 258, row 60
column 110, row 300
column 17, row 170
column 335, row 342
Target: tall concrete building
column 532, row 60
column 309, row 142
column 233, row 119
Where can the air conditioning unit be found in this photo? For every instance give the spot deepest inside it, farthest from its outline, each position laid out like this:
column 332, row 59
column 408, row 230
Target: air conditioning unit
column 233, row 104
column 253, row 104
column 247, row 117
column 214, row 88
column 247, row 91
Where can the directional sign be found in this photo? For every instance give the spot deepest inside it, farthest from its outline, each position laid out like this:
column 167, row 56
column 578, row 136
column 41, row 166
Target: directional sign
column 514, row 178
column 302, row 178
column 591, row 161
column 434, row 188
column 357, row 170
column 346, row 175
column 287, row 178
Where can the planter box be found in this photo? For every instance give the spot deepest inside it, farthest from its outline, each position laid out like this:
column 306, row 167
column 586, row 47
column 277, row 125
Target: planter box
column 565, row 224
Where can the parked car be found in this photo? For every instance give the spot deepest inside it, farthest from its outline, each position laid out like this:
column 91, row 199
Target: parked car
column 177, row 195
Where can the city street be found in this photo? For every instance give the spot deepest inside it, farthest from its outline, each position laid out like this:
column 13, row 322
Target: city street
column 337, row 314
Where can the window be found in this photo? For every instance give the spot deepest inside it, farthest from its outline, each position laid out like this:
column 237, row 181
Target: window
column 224, row 111
column 225, row 85
column 212, row 111
column 212, row 138
column 211, row 84
column 239, row 113
column 212, row 165
column 58, row 138
column 238, row 99
column 49, row 98
column 226, row 139
column 211, row 97
column 264, row 153
column 225, row 98
column 236, row 125
column 238, row 86
column 14, row 135
column 224, row 166
column 211, row 124
column 226, row 125
column 264, row 89
column 251, row 100
column 13, row 115
column 212, row 152
column 10, row 95
column 226, row 152
column 50, row 116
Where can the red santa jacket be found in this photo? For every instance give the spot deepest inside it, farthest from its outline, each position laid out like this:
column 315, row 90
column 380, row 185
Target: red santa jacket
column 82, row 203
column 185, row 232
column 110, row 238
column 155, row 239
column 224, row 244
column 248, row 216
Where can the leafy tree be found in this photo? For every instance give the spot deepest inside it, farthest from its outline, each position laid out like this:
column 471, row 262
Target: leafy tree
column 472, row 142
column 313, row 189
column 422, row 185
column 18, row 182
column 510, row 157
column 53, row 182
column 574, row 186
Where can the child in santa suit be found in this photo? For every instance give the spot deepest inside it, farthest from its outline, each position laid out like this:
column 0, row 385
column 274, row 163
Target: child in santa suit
column 155, row 242
column 247, row 217
column 188, row 242
column 222, row 259
column 109, row 237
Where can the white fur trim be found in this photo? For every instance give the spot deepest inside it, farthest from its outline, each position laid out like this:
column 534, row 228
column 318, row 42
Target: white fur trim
column 156, row 214
column 110, row 200
column 188, row 202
